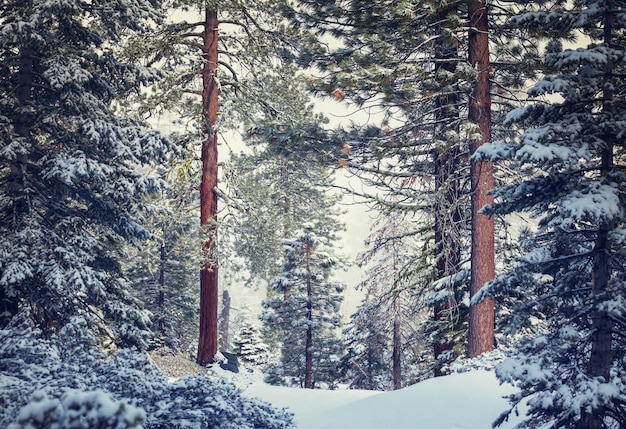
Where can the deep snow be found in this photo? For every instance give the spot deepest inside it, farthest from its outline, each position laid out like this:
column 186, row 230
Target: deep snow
column 470, row 400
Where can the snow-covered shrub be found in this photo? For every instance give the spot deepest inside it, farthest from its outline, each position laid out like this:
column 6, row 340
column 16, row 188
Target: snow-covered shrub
column 60, row 381
column 78, row 410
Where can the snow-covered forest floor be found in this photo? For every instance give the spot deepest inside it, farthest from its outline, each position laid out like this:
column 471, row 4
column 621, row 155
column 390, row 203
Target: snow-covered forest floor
column 469, row 400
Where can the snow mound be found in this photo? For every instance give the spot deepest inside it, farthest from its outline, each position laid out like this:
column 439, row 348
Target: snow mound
column 471, row 400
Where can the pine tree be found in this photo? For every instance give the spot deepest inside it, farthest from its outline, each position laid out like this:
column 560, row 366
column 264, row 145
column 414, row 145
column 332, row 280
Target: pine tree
column 365, row 364
column 571, row 278
column 304, row 310
column 272, row 191
column 391, row 283
column 481, row 324
column 72, row 167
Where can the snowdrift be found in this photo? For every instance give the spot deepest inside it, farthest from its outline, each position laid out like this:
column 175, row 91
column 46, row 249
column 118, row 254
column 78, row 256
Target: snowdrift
column 471, row 400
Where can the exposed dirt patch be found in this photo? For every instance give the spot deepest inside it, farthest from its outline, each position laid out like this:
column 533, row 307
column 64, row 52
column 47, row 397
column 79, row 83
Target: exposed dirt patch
column 175, row 365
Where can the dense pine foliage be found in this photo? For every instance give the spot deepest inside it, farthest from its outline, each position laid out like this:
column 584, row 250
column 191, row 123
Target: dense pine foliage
column 73, row 170
column 572, row 150
column 303, row 311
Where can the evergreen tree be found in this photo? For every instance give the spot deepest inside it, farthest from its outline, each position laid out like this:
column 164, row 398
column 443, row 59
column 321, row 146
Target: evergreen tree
column 249, row 346
column 572, row 277
column 72, row 167
column 304, row 310
column 416, row 64
column 481, row 323
column 271, row 192
column 365, row 365
column 163, row 271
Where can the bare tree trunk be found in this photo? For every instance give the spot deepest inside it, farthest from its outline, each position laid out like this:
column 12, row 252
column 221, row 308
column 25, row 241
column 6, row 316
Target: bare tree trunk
column 481, row 316
column 308, row 353
column 225, row 321
column 208, row 335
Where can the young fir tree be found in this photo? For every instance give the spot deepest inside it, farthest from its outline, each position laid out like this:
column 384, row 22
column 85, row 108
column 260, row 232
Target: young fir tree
column 304, row 310
column 163, row 272
column 249, row 346
column 573, row 274
column 72, row 168
column 365, row 365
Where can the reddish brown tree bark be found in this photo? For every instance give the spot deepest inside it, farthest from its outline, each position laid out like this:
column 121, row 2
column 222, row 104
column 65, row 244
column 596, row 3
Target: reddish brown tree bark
column 208, row 335
column 481, row 316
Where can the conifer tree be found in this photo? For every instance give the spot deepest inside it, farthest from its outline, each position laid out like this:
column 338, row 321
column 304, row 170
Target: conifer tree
column 72, row 167
column 271, row 192
column 304, row 310
column 572, row 150
column 481, row 324
column 365, row 365
column 390, row 286
column 249, row 346
column 163, row 271
column 416, row 64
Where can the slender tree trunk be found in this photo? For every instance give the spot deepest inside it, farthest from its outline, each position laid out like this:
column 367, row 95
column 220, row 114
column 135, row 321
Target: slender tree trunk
column 161, row 299
column 601, row 355
column 372, row 355
column 446, row 207
column 447, row 242
column 481, row 316
column 208, row 336
column 225, row 321
column 397, row 351
column 308, row 353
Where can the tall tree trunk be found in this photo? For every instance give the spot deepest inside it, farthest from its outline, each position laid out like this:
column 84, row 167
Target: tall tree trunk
column 9, row 299
column 308, row 352
column 481, row 316
column 601, row 355
column 208, row 336
column 446, row 207
column 225, row 321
